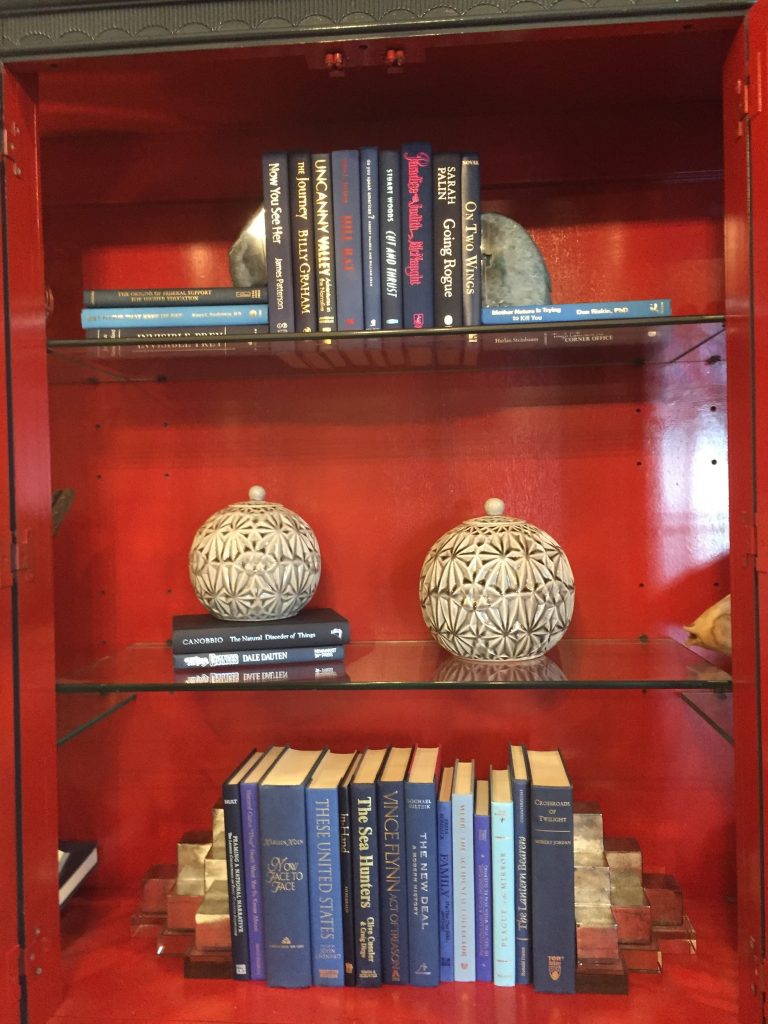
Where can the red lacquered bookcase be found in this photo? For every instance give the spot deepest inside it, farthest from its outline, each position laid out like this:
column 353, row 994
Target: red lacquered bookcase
column 631, row 143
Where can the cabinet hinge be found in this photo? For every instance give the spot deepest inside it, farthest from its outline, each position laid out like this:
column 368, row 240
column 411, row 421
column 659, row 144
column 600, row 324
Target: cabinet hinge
column 15, row 561
column 11, row 142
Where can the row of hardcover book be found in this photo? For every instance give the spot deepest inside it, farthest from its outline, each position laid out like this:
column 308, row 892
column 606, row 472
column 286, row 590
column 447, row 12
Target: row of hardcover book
column 384, row 867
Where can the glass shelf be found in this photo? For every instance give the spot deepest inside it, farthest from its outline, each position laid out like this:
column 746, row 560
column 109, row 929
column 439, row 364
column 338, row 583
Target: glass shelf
column 634, row 342
column 81, row 711
column 417, row 664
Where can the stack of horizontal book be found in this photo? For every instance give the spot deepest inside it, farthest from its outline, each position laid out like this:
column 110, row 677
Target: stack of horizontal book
column 306, row 646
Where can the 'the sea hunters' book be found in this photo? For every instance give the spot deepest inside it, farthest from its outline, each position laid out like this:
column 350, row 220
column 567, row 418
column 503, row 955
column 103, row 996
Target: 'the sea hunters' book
column 571, row 311
column 310, row 627
column 277, row 222
column 390, row 797
column 553, row 940
column 285, row 869
column 325, row 887
column 422, row 866
column 365, row 869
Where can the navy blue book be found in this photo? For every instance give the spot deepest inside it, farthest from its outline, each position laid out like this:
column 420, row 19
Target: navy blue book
column 277, row 225
column 347, row 224
column 233, row 836
column 418, row 264
column 324, row 852
column 303, row 242
column 483, row 883
column 422, row 863
column 369, row 205
column 251, row 885
column 365, row 869
column 470, row 238
column 285, row 869
column 325, row 246
column 347, row 873
column 391, row 238
column 552, row 889
column 518, row 766
column 172, row 296
column 390, row 796
column 445, row 874
column 447, row 217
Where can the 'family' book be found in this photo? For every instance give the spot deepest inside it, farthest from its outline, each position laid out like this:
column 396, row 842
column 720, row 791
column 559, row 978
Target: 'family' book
column 552, row 883
column 462, row 802
column 445, row 873
column 365, row 868
column 518, row 766
column 422, row 866
column 311, row 627
column 324, row 854
column 390, row 796
column 285, row 868
column 503, row 876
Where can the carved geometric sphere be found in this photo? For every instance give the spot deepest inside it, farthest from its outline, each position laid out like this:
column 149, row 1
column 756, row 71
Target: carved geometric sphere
column 254, row 560
column 496, row 589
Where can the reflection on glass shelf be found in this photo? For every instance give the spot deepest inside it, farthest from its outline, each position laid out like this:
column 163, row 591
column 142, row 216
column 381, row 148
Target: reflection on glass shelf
column 715, row 708
column 573, row 664
column 82, row 710
column 666, row 340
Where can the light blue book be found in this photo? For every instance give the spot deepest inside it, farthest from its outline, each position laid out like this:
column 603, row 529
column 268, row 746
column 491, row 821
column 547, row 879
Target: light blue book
column 324, row 857
column 462, row 829
column 175, row 316
column 503, row 877
column 573, row 311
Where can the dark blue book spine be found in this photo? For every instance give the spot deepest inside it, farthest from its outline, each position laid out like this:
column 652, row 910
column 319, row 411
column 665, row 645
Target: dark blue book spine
column 447, row 217
column 233, row 828
column 324, row 857
column 284, row 879
column 445, row 888
column 520, row 790
column 277, row 220
column 418, row 264
column 347, row 223
column 392, row 859
column 366, row 894
column 172, row 296
column 303, row 243
column 347, row 883
column 325, row 247
column 369, row 204
column 483, row 905
column 391, row 236
column 470, row 238
column 254, row 915
column 553, row 939
column 423, row 883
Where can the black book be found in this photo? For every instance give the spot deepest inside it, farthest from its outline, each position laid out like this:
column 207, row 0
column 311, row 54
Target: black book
column 325, row 255
column 446, row 224
column 347, row 875
column 303, row 242
column 311, row 627
column 76, row 861
column 390, row 238
column 277, row 220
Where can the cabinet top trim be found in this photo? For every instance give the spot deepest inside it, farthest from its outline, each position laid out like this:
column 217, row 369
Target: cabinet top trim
column 47, row 28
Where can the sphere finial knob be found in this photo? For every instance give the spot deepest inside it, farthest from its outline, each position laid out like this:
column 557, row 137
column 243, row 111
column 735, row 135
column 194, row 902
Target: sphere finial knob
column 257, row 493
column 494, row 507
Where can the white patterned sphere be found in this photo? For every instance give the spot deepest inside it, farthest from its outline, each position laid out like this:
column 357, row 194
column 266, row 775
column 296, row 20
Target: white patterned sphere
column 254, row 560
column 496, row 589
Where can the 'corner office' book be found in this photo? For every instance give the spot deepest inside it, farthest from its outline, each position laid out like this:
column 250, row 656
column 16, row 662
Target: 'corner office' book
column 462, row 806
column 310, row 627
column 483, row 893
column 422, row 864
column 174, row 316
column 470, row 238
column 390, row 797
column 233, row 838
column 518, row 766
column 325, row 246
column 277, row 223
column 303, row 242
column 365, row 869
column 278, row 656
column 446, row 196
column 418, row 266
column 503, row 876
column 324, row 854
column 390, row 237
column 251, row 847
column 173, row 296
column 347, row 874
column 284, row 869
column 369, row 205
column 553, row 939
column 445, row 873
column 345, row 174
column 572, row 311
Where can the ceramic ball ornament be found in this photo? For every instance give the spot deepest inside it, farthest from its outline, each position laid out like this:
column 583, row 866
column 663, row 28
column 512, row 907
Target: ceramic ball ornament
column 496, row 588
column 254, row 560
